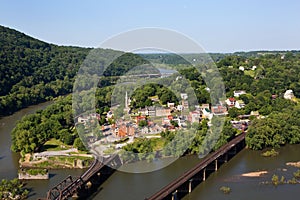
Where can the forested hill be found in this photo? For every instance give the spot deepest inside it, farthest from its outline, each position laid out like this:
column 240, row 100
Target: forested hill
column 32, row 71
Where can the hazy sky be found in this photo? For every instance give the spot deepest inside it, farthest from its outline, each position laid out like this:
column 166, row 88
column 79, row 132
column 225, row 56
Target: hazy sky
column 217, row 25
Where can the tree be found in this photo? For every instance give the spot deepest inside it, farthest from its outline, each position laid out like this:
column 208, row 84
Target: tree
column 143, row 123
column 233, row 112
column 79, row 144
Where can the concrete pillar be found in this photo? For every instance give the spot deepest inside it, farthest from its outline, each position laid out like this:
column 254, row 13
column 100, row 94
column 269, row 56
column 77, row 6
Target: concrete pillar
column 204, row 174
column 190, row 185
column 174, row 195
column 216, row 165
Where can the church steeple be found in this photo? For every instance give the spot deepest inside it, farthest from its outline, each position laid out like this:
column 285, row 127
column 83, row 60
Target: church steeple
column 126, row 101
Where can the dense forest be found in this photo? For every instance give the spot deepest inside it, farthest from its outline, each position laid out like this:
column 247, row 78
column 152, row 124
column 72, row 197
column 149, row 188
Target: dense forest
column 33, row 71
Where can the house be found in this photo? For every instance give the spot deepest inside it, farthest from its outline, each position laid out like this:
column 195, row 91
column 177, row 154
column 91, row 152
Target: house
column 166, row 121
column 239, row 104
column 171, row 105
column 254, row 113
column 219, row 110
column 194, row 116
column 154, row 99
column 230, row 101
column 288, row 94
column 184, row 96
column 179, row 107
column 151, row 111
column 206, row 112
column 163, row 112
column 143, row 111
column 125, row 130
column 82, row 119
column 138, row 117
column 109, row 115
column 203, row 106
column 242, row 68
column 253, row 68
column 238, row 93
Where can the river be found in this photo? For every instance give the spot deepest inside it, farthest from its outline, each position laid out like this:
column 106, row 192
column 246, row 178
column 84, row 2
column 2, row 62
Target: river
column 128, row 186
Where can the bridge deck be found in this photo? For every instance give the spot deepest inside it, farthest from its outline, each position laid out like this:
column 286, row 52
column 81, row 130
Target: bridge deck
column 171, row 187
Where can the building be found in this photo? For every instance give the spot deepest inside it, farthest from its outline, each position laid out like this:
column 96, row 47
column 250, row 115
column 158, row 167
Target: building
column 138, row 118
column 194, row 116
column 219, row 110
column 180, row 108
column 162, row 111
column 151, row 111
column 206, row 113
column 230, row 101
column 239, row 104
column 125, row 130
column 171, row 105
column 242, row 68
column 184, row 96
column 238, row 93
column 288, row 94
column 91, row 117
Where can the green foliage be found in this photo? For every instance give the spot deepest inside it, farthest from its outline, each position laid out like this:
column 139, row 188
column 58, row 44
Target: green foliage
column 140, row 149
column 225, row 190
column 143, row 123
column 141, row 95
column 56, row 121
column 297, row 174
column 277, row 129
column 79, row 144
column 33, row 71
column 275, row 180
column 34, row 172
column 10, row 189
column 270, row 153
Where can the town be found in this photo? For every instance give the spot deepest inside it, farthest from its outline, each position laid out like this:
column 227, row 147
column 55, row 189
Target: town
column 150, row 121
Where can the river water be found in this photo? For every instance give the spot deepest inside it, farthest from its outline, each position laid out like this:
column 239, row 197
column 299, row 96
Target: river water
column 128, row 186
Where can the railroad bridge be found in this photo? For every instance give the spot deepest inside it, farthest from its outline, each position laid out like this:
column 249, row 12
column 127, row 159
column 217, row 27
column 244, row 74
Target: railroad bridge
column 173, row 191
column 71, row 186
column 187, row 181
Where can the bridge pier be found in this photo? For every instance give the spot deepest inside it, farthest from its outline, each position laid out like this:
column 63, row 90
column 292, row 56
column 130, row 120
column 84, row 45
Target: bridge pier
column 174, row 195
column 216, row 165
column 204, row 174
column 190, row 185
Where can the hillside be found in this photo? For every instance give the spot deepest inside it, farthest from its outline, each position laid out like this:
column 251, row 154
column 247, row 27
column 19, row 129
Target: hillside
column 32, row 71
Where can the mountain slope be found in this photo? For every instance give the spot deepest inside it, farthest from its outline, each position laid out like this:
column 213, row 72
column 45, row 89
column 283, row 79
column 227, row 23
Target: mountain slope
column 32, row 71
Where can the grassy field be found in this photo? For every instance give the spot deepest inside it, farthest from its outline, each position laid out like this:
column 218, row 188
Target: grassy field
column 55, row 145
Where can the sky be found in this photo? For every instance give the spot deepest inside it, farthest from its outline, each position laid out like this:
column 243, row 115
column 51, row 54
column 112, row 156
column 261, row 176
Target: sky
column 216, row 25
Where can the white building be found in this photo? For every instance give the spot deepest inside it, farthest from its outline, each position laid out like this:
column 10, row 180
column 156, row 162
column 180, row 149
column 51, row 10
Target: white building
column 288, row 94
column 241, row 68
column 239, row 104
column 238, row 93
column 184, row 96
